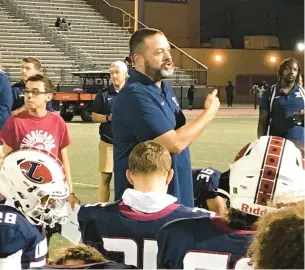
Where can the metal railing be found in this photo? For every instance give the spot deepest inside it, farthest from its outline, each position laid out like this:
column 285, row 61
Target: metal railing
column 117, row 15
column 83, row 57
column 120, row 17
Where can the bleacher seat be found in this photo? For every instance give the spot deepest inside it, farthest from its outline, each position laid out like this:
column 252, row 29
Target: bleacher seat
column 93, row 37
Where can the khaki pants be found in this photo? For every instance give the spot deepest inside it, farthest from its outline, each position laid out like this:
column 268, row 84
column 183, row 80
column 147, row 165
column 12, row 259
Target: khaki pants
column 105, row 157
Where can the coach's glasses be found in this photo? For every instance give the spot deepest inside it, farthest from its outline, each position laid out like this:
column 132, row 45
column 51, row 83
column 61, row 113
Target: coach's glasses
column 34, row 93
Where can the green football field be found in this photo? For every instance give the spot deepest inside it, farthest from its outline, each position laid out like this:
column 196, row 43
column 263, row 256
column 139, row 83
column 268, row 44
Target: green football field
column 216, row 147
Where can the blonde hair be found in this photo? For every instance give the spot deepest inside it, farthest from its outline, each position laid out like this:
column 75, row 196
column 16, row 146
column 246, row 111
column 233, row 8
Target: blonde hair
column 149, row 157
column 82, row 252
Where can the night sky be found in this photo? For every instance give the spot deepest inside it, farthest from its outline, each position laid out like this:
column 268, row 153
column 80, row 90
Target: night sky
column 235, row 19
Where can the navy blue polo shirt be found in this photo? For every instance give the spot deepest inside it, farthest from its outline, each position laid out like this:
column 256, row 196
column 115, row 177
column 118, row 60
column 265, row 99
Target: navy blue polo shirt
column 284, row 107
column 103, row 104
column 18, row 96
column 6, row 99
column 143, row 111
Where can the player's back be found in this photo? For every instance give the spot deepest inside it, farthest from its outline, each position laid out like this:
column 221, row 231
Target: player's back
column 116, row 227
column 20, row 241
column 206, row 243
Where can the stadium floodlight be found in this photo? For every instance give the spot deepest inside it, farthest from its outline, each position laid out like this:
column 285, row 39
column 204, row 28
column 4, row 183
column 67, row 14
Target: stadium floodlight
column 218, row 58
column 272, row 59
column 300, row 46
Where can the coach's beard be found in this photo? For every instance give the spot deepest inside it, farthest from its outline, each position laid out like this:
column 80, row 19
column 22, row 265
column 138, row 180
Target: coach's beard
column 166, row 73
column 158, row 74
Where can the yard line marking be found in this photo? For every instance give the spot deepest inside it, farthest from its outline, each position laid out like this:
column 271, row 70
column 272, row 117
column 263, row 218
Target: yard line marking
column 207, row 161
column 86, row 185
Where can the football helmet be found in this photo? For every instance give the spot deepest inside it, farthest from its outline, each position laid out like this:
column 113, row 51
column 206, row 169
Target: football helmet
column 270, row 169
column 35, row 181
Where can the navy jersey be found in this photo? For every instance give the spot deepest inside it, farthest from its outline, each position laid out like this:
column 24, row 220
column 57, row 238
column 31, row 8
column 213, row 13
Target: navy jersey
column 208, row 183
column 103, row 104
column 116, row 227
column 206, row 243
column 19, row 236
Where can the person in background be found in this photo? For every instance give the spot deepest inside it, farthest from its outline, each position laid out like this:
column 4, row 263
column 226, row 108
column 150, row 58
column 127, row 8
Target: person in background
column 190, row 96
column 57, row 23
column 281, row 103
column 30, row 66
column 63, row 25
column 230, row 93
column 102, row 113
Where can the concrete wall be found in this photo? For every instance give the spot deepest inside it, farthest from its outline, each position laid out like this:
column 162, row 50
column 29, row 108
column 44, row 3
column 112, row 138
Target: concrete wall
column 234, row 62
column 180, row 22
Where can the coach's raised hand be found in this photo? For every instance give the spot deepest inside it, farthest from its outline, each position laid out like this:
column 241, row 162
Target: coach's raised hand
column 211, row 104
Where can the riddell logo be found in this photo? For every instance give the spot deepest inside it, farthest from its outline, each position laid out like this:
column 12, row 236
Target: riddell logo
column 253, row 210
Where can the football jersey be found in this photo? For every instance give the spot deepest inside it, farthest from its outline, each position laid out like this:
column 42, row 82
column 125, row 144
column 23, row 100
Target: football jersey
column 205, row 243
column 18, row 235
column 116, row 227
column 206, row 183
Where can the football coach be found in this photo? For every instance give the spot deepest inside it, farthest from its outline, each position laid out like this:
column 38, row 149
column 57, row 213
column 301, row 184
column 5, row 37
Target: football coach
column 147, row 109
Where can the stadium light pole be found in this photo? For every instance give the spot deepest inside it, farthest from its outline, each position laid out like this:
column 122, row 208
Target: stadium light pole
column 136, row 15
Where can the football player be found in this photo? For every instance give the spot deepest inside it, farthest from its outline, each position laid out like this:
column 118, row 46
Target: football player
column 268, row 169
column 35, row 191
column 211, row 189
column 128, row 227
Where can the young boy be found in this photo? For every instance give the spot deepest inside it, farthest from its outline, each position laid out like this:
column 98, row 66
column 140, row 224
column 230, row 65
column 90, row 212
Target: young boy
column 37, row 127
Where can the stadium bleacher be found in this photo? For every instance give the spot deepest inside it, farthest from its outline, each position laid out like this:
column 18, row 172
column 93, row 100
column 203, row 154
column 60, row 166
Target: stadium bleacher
column 93, row 42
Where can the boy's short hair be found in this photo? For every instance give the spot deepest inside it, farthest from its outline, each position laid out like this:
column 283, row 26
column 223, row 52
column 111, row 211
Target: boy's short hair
column 34, row 61
column 150, row 157
column 48, row 85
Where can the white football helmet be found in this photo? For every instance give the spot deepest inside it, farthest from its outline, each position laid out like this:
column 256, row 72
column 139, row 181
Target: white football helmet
column 35, row 181
column 269, row 169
